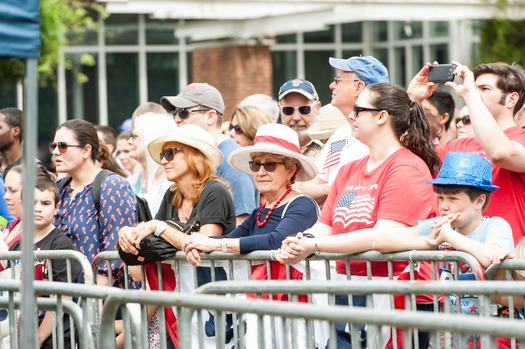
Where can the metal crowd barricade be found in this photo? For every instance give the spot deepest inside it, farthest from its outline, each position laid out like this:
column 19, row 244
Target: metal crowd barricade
column 82, row 327
column 486, row 327
column 483, row 289
column 324, row 270
column 13, row 273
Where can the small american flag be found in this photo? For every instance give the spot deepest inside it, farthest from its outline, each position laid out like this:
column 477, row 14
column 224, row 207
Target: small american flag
column 335, row 154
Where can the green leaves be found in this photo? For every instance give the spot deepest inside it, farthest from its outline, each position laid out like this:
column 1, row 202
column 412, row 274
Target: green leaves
column 58, row 20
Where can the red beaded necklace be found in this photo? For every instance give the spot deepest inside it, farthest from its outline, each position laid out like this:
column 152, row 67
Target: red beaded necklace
column 258, row 220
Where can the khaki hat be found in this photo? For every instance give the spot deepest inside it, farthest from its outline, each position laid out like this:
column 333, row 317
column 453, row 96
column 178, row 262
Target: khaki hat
column 274, row 139
column 193, row 95
column 191, row 135
column 330, row 119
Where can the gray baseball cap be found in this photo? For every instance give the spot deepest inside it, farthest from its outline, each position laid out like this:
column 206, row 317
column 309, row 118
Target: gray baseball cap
column 195, row 94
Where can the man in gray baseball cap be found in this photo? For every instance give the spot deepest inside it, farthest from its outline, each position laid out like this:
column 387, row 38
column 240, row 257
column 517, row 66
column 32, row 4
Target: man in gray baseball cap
column 201, row 104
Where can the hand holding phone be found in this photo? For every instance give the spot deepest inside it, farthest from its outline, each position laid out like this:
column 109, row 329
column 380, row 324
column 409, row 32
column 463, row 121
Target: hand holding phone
column 441, row 73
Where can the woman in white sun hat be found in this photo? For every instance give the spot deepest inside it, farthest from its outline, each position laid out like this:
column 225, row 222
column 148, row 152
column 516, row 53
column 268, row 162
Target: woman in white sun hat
column 275, row 161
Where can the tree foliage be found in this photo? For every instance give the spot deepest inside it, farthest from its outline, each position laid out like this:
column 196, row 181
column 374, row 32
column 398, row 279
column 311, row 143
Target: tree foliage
column 502, row 39
column 58, row 20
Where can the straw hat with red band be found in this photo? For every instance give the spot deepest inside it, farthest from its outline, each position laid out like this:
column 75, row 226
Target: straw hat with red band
column 274, row 139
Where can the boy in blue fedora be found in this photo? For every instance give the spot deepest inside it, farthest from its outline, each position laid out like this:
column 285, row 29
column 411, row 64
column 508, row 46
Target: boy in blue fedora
column 463, row 187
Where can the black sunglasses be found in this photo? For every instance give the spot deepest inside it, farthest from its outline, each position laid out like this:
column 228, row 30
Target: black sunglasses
column 465, row 120
column 184, row 113
column 169, row 153
column 304, row 110
column 62, row 147
column 269, row 166
column 358, row 109
column 236, row 128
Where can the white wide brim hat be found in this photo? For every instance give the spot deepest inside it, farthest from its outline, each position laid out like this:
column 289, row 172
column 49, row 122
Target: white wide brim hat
column 274, row 139
column 191, row 135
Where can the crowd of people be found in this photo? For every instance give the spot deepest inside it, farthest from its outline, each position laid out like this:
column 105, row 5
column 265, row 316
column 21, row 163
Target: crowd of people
column 379, row 167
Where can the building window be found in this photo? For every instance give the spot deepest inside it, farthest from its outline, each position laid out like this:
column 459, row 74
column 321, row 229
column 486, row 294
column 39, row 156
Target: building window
column 163, row 75
column 326, row 36
column 352, row 32
column 122, row 78
column 284, row 68
column 319, row 72
column 121, row 30
column 160, row 32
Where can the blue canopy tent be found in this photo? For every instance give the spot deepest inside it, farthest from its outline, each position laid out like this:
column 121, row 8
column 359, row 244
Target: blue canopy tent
column 20, row 38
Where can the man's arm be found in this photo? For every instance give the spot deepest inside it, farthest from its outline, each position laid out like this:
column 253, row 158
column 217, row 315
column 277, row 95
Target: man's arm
column 315, row 188
column 500, row 150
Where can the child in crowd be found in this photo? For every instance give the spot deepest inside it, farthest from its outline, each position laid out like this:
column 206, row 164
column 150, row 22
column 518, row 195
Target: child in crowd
column 47, row 237
column 463, row 187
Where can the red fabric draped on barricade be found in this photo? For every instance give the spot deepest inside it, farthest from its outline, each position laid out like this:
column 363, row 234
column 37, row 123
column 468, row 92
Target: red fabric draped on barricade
column 278, row 271
column 168, row 284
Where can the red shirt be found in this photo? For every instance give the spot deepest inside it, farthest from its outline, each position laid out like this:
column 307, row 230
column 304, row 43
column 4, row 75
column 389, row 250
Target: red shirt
column 508, row 202
column 396, row 190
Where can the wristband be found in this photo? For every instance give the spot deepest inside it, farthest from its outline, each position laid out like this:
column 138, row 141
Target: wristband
column 316, row 248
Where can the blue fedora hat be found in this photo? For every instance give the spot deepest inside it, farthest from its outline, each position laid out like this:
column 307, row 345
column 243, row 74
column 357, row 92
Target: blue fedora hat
column 469, row 169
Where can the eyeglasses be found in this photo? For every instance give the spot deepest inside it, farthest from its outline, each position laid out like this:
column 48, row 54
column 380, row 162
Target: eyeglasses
column 303, row 109
column 169, row 153
column 184, row 113
column 269, row 166
column 465, row 120
column 236, row 128
column 62, row 147
column 337, row 80
column 358, row 109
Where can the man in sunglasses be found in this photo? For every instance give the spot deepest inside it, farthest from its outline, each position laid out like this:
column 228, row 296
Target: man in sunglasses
column 201, row 104
column 299, row 105
column 352, row 75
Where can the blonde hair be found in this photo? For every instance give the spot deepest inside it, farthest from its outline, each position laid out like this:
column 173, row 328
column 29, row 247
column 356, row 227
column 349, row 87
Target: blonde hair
column 519, row 253
column 202, row 170
column 250, row 118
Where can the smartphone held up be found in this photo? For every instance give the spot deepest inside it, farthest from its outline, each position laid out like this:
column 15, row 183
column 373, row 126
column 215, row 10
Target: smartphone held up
column 441, row 73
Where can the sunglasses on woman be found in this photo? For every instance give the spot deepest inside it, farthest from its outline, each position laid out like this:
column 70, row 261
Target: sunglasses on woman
column 236, row 128
column 269, row 166
column 303, row 109
column 169, row 153
column 62, row 147
column 465, row 120
column 184, row 113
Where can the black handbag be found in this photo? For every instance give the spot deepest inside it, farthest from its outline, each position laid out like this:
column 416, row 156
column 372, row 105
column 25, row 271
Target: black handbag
column 154, row 248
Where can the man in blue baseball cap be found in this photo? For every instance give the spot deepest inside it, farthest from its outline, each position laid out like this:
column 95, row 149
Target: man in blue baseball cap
column 352, row 76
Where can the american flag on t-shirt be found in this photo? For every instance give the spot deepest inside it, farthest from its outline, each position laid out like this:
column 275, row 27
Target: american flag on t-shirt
column 335, row 153
column 353, row 208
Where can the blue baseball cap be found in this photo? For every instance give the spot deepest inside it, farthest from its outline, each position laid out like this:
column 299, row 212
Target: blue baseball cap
column 469, row 169
column 304, row 87
column 367, row 68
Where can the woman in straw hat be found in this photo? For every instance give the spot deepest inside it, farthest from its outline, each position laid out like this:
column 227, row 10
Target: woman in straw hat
column 275, row 161
column 189, row 157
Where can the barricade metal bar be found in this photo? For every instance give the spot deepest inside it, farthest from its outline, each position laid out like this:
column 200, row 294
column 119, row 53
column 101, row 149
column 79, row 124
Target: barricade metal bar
column 50, row 255
column 424, row 321
column 60, row 306
column 364, row 287
column 508, row 264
